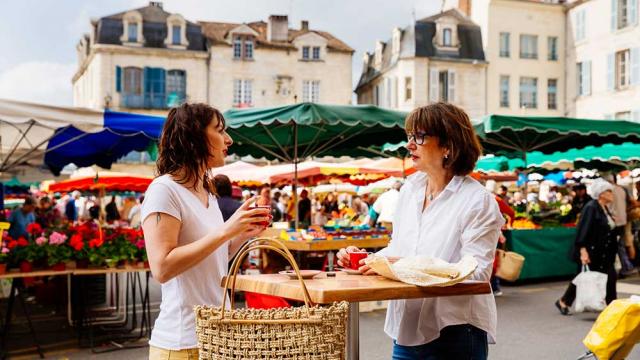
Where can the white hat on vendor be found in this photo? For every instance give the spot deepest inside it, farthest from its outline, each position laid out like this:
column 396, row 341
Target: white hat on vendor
column 599, row 186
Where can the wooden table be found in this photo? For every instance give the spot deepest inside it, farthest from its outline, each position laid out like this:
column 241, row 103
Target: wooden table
column 337, row 244
column 352, row 288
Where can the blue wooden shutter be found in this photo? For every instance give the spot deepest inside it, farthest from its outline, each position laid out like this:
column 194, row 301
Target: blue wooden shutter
column 118, row 79
column 160, row 89
column 635, row 65
column 614, row 15
column 147, row 81
column 633, row 12
column 611, row 73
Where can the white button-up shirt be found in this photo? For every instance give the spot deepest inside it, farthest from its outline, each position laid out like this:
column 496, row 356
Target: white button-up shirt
column 463, row 219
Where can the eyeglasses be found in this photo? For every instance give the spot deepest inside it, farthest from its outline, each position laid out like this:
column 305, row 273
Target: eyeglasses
column 418, row 138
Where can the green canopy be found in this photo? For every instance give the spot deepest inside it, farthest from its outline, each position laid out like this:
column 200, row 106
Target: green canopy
column 514, row 136
column 312, row 130
column 593, row 157
column 293, row 132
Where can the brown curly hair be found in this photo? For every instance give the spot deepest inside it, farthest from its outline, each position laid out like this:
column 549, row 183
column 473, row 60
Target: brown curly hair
column 183, row 149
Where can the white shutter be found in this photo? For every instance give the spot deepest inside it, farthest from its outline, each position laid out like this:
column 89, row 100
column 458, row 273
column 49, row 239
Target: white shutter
column 451, row 91
column 633, row 12
column 635, row 116
column 395, row 92
column 614, row 15
column 608, row 116
column 611, row 71
column 587, row 78
column 433, row 85
column 635, row 65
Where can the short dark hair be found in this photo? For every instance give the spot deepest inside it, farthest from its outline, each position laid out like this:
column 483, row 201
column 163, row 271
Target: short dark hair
column 29, row 201
column 183, row 148
column 223, row 185
column 579, row 187
column 452, row 127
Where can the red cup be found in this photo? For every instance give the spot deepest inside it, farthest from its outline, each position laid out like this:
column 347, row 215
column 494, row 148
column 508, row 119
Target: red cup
column 355, row 257
column 262, row 223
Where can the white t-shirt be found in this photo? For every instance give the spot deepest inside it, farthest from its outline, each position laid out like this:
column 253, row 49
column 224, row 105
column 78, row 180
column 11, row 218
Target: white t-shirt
column 175, row 327
column 464, row 219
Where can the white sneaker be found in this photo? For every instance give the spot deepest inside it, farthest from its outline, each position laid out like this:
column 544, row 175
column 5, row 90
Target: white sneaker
column 497, row 293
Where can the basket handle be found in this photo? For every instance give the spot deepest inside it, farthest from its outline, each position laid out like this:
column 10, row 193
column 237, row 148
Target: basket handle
column 268, row 244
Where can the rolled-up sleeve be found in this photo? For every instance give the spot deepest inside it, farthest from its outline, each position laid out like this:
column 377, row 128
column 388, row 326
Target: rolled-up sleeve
column 480, row 233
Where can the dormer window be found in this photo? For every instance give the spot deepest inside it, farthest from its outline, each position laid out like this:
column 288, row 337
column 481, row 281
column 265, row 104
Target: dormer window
column 132, row 32
column 446, row 37
column 243, row 47
column 316, row 53
column 132, row 29
column 305, row 52
column 176, row 32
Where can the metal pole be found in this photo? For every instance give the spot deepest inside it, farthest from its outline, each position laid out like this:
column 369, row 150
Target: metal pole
column 295, row 175
column 353, row 337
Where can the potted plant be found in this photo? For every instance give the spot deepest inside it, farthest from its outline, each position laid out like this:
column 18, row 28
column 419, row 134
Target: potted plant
column 58, row 253
column 4, row 258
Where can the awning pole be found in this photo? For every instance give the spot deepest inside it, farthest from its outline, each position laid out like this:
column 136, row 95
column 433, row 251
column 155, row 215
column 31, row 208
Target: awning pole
column 295, row 175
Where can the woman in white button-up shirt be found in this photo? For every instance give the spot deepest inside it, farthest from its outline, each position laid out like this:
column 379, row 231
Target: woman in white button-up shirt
column 444, row 213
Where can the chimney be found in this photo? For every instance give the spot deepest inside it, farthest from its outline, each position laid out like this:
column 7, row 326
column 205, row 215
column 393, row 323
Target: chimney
column 278, row 28
column 304, row 25
column 157, row 4
column 465, row 7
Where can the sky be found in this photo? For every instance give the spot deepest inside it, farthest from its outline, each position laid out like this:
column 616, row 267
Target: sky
column 38, row 38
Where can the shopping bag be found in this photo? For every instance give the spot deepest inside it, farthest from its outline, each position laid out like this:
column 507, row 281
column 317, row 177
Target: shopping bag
column 591, row 290
column 509, row 265
column 615, row 331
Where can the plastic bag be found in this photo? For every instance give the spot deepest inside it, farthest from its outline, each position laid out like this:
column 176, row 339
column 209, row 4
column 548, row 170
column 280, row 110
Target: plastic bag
column 591, row 290
column 615, row 331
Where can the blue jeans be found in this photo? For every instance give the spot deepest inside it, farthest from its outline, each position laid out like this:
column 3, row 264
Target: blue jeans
column 459, row 342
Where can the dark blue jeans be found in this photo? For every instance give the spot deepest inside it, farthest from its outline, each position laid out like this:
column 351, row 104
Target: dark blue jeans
column 459, row 342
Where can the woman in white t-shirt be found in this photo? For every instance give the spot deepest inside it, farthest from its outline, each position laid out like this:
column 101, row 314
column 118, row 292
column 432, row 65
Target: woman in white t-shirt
column 188, row 243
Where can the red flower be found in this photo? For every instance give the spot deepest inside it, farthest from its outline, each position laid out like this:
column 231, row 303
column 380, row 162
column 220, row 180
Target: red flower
column 95, row 242
column 76, row 242
column 34, row 229
column 22, row 241
column 12, row 244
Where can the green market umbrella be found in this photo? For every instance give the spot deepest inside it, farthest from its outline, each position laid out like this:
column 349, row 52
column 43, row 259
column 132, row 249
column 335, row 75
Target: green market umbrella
column 606, row 157
column 289, row 133
column 515, row 136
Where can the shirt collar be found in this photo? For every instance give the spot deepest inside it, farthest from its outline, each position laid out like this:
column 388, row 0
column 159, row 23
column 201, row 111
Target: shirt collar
column 419, row 180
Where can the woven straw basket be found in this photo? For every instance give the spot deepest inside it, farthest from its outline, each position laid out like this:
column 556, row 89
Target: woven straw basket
column 307, row 332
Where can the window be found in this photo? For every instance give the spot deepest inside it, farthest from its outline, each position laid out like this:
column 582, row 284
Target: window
column 305, row 53
column 504, row 45
column 176, row 87
column 552, row 48
column 442, row 85
column 316, row 53
column 446, row 37
column 624, row 13
column 132, row 32
column 580, row 21
column 504, row 91
column 528, row 93
column 248, row 49
column 242, row 96
column 622, row 69
column 243, row 47
column 407, row 88
column 132, row 88
column 552, row 94
column 237, row 48
column 311, row 91
column 528, row 46
column 583, row 70
column 176, row 31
